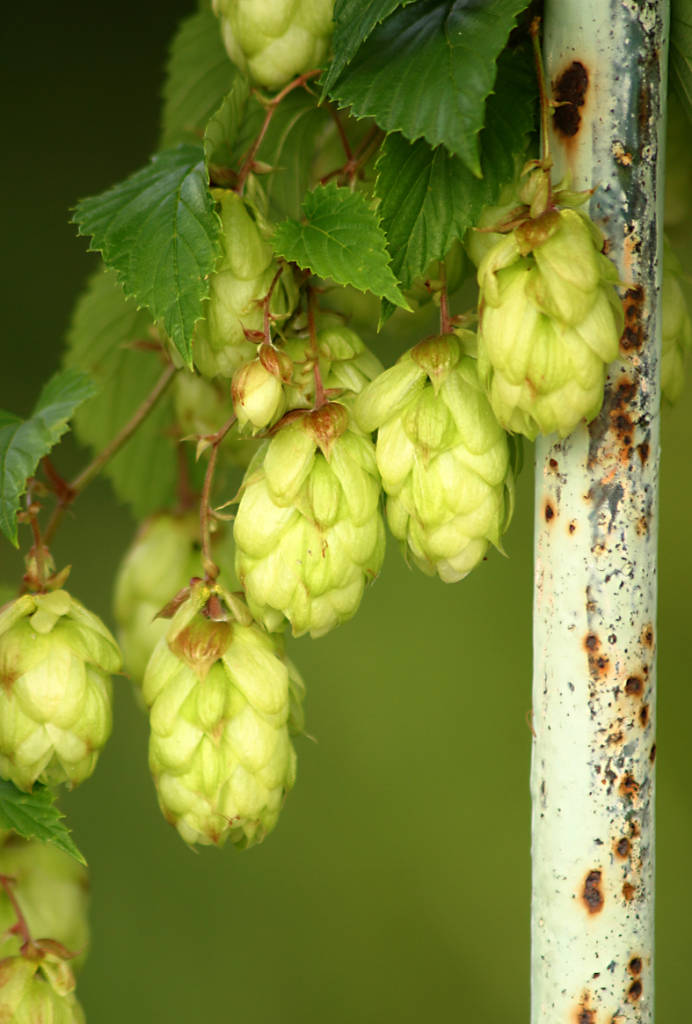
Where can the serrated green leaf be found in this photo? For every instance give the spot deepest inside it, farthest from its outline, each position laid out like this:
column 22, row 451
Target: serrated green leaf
column 427, row 70
column 102, row 339
column 221, row 133
column 23, row 443
column 35, row 816
column 681, row 52
column 159, row 230
column 198, row 76
column 428, row 198
column 340, row 238
column 354, row 20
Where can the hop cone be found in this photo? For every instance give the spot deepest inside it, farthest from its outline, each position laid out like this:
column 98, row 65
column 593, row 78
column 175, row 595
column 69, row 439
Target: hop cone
column 443, row 458
column 163, row 558
column 676, row 328
column 29, row 994
column 308, row 532
column 52, row 890
column 241, row 280
column 202, row 407
column 345, row 364
column 276, row 40
column 550, row 322
column 55, row 698
column 220, row 697
column 258, row 388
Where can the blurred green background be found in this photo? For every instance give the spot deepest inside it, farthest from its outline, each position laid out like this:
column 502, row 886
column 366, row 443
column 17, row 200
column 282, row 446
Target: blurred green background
column 396, row 886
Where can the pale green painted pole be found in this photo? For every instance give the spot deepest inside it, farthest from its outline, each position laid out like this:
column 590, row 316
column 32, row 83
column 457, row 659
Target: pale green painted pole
column 595, row 545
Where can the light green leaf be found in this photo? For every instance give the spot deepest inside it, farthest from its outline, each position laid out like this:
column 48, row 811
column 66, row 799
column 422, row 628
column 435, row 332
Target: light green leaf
column 198, row 76
column 116, row 343
column 428, row 69
column 35, row 816
column 23, row 443
column 160, row 231
column 340, row 238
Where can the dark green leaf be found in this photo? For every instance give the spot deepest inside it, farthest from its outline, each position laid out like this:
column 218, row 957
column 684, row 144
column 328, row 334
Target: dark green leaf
column 427, row 70
column 354, row 20
column 35, row 816
column 341, row 239
column 681, row 52
column 110, row 337
column 428, row 198
column 199, row 75
column 23, row 443
column 159, row 230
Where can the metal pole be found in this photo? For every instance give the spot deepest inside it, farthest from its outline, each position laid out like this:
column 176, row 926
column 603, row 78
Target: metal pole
column 592, row 777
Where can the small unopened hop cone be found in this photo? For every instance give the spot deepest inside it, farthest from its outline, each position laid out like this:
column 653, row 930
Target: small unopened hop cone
column 309, row 534
column 443, row 458
column 276, row 40
column 550, row 320
column 38, row 991
column 220, row 695
column 55, row 699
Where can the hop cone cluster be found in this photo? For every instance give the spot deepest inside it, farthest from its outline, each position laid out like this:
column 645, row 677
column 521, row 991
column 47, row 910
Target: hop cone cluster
column 550, row 322
column 276, row 40
column 32, row 991
column 308, row 532
column 242, row 278
column 163, row 558
column 52, row 890
column 443, row 458
column 55, row 699
column 220, row 698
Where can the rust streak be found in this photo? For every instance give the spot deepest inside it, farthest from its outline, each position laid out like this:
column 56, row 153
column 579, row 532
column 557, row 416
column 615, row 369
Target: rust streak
column 569, row 91
column 591, row 894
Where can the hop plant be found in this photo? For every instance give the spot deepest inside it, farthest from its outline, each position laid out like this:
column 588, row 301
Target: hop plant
column 676, row 328
column 241, row 280
column 258, row 388
column 162, row 559
column 550, row 319
column 52, row 890
column 443, row 458
column 220, row 698
column 33, row 991
column 344, row 363
column 278, row 39
column 55, row 701
column 308, row 532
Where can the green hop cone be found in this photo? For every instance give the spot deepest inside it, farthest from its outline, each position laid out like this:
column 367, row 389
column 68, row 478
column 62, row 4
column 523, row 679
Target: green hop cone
column 55, row 699
column 31, row 994
column 164, row 556
column 345, row 364
column 443, row 458
column 308, row 532
column 202, row 407
column 550, row 322
column 258, row 388
column 676, row 328
column 240, row 281
column 220, row 698
column 276, row 40
column 52, row 890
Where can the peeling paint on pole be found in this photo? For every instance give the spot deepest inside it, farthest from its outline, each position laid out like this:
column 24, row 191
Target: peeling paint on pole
column 595, row 544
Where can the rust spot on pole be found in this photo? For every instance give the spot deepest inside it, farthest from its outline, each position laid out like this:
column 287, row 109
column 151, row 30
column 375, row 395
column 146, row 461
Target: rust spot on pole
column 633, row 334
column 569, row 91
column 634, row 686
column 629, row 787
column 553, row 465
column 652, row 753
column 572, row 526
column 622, row 848
column 591, row 894
column 635, row 965
column 628, row 891
column 548, row 512
column 648, row 636
column 644, row 715
column 585, row 1016
column 643, row 450
column 634, row 991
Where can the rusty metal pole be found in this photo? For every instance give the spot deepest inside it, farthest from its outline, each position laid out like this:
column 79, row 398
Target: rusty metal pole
column 592, row 776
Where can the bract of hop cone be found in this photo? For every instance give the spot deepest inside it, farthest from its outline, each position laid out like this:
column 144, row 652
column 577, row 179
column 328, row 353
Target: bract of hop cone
column 443, row 458
column 222, row 703
column 51, row 888
column 276, row 40
column 164, row 556
column 38, row 991
column 55, row 702
column 241, row 280
column 550, row 317
column 308, row 531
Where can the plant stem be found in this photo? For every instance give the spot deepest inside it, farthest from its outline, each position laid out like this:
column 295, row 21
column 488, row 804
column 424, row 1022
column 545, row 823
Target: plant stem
column 20, row 927
column 211, row 570
column 592, row 778
column 76, row 486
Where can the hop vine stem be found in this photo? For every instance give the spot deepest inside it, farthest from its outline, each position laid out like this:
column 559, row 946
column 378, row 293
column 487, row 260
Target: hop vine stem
column 211, row 570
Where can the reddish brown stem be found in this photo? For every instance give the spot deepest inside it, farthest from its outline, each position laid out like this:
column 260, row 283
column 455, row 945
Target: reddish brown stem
column 445, row 322
column 267, row 300
column 211, row 570
column 20, row 927
column 342, row 134
column 249, row 161
column 546, row 160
